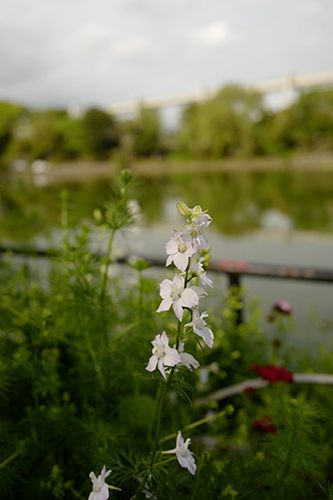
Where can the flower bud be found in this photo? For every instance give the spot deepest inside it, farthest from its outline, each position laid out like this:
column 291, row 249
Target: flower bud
column 183, row 209
column 196, row 212
column 98, row 216
column 126, row 177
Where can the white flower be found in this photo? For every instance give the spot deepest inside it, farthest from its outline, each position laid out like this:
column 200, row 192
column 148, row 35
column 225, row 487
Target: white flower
column 199, row 291
column 184, row 455
column 187, row 359
column 197, row 270
column 179, row 251
column 100, row 490
column 196, row 230
column 199, row 327
column 173, row 293
column 163, row 355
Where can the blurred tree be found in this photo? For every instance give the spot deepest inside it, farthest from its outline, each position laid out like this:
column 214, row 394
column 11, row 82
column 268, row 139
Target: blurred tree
column 222, row 126
column 142, row 136
column 147, row 132
column 73, row 138
column 9, row 116
column 100, row 133
column 233, row 123
column 312, row 117
column 37, row 136
column 306, row 126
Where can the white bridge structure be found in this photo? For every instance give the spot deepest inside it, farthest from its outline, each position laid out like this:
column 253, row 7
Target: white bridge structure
column 287, row 85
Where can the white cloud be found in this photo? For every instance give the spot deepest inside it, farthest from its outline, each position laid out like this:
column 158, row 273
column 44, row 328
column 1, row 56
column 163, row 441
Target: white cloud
column 133, row 46
column 109, row 51
column 93, row 37
column 311, row 7
column 211, row 36
column 97, row 40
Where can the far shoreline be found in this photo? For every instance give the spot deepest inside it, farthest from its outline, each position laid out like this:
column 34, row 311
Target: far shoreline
column 63, row 171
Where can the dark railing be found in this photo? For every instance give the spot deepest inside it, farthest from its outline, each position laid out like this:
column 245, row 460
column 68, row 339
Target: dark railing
column 234, row 269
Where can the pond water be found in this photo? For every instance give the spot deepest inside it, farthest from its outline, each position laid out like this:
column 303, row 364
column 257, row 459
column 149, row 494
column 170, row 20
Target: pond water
column 261, row 217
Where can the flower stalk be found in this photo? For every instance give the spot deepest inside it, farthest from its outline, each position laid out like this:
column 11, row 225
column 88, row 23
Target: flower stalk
column 185, row 251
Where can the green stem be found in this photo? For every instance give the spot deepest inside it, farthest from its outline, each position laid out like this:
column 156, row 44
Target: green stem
column 92, row 354
column 193, row 425
column 104, row 281
column 97, row 368
column 186, row 275
column 140, row 488
column 64, row 225
column 285, row 467
column 178, row 334
column 159, row 417
column 158, row 429
column 151, row 425
column 20, row 315
column 141, row 301
column 107, row 262
column 9, row 459
column 163, row 462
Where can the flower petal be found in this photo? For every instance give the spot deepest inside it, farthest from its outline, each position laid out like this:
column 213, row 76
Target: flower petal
column 169, row 260
column 189, row 298
column 152, row 363
column 199, row 291
column 181, row 260
column 178, row 281
column 188, row 360
column 206, row 334
column 165, row 288
column 164, row 305
column 161, row 367
column 178, row 310
column 171, row 247
column 171, row 357
column 180, row 440
column 165, row 338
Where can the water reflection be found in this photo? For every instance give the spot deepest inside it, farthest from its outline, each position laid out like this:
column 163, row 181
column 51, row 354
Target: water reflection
column 274, row 220
column 240, row 202
column 170, row 212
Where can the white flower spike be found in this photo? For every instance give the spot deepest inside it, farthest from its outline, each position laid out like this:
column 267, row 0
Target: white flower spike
column 100, row 490
column 163, row 355
column 184, row 455
column 173, row 293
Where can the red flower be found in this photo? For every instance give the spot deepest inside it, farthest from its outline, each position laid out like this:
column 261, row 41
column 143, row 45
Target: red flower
column 265, row 425
column 254, row 367
column 283, row 307
column 272, row 373
column 249, row 389
column 285, row 375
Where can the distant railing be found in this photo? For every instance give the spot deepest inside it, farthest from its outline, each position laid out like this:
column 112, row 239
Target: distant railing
column 286, row 85
column 234, row 269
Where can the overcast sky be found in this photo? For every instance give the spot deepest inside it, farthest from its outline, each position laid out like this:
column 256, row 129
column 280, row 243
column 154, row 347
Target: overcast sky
column 100, row 52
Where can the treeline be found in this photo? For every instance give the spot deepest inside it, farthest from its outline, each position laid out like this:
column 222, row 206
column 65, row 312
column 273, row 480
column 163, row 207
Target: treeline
column 235, row 123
